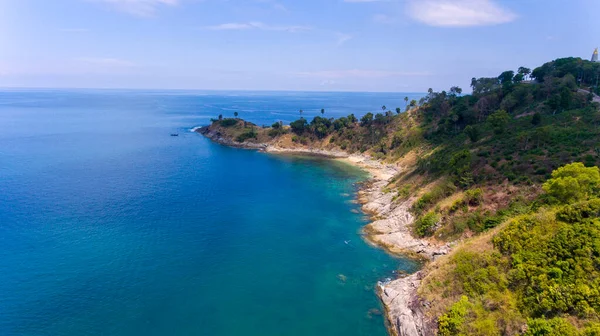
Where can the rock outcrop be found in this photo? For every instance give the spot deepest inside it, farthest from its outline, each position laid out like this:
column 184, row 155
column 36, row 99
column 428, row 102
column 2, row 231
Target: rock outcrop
column 404, row 311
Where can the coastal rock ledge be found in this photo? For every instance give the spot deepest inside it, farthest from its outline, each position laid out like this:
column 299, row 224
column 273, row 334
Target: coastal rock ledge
column 404, row 310
column 391, row 230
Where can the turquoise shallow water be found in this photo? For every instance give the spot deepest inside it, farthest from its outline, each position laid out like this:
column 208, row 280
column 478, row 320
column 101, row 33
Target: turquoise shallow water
column 109, row 226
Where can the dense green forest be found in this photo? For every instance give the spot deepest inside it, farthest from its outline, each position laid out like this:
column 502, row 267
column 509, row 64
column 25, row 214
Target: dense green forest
column 493, row 170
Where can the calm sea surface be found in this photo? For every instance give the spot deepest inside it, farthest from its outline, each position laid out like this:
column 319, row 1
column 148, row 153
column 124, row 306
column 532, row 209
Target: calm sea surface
column 110, row 226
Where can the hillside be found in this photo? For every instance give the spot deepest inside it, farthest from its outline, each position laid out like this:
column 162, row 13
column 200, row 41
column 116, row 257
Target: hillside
column 477, row 170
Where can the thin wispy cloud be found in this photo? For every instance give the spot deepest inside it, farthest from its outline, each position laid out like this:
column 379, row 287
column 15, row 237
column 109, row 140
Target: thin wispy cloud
column 359, row 1
column 342, row 38
column 357, row 73
column 74, row 30
column 383, row 19
column 106, row 62
column 257, row 26
column 144, row 8
column 275, row 5
column 459, row 13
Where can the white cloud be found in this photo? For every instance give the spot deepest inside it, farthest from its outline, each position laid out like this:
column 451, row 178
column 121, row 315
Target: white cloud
column 459, row 13
column 139, row 7
column 258, row 26
column 356, row 73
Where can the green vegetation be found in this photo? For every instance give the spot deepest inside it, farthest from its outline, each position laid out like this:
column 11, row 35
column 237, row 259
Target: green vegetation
column 508, row 128
column 495, row 169
column 424, row 226
column 541, row 275
column 249, row 133
column 228, row 122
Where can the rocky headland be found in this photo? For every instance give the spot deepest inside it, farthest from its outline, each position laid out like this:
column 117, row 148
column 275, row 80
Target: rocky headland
column 391, row 228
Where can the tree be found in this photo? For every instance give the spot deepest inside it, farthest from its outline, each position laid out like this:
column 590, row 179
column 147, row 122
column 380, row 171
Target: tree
column 352, row 118
column 367, row 119
column 518, row 78
column 566, row 96
column 413, row 103
column 398, row 110
column 536, row 119
column 383, row 108
column 220, row 117
column 235, row 114
column 299, row 126
column 506, row 77
column 472, row 132
column 455, row 91
column 322, row 111
column 301, row 113
column 499, row 120
column 405, row 102
column 573, row 182
column 524, row 71
column 460, row 166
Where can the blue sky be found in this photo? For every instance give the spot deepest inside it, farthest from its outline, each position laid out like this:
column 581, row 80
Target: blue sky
column 325, row 45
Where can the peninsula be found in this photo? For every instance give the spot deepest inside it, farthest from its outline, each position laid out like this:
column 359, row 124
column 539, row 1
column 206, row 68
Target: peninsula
column 498, row 190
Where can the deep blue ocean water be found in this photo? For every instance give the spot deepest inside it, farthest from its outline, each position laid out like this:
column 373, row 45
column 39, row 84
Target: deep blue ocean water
column 110, row 226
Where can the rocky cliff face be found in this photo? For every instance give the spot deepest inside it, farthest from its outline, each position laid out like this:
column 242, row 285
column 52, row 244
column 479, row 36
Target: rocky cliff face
column 404, row 311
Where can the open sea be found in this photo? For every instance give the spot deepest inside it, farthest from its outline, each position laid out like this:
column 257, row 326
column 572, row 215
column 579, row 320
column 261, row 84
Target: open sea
column 110, row 226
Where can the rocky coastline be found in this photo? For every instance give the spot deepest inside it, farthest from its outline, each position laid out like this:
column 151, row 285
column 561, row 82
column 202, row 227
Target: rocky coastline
column 390, row 230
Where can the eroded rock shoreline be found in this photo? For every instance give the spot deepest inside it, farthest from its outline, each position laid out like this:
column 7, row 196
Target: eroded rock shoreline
column 390, row 230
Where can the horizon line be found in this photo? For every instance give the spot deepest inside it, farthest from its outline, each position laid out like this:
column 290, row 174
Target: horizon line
column 181, row 89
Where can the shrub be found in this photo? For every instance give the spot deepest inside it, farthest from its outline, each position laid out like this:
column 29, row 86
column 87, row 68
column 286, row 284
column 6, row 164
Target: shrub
column 397, row 140
column 553, row 264
column 579, row 211
column 472, row 132
column 474, row 197
column 425, row 225
column 552, row 327
column 499, row 120
column 274, row 132
column 433, row 196
column 248, row 134
column 228, row 122
column 450, row 323
column 573, row 182
column 536, row 119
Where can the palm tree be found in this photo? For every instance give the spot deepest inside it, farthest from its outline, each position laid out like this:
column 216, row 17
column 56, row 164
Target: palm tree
column 405, row 102
column 322, row 111
column 383, row 108
column 398, row 110
column 301, row 113
column 235, row 114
